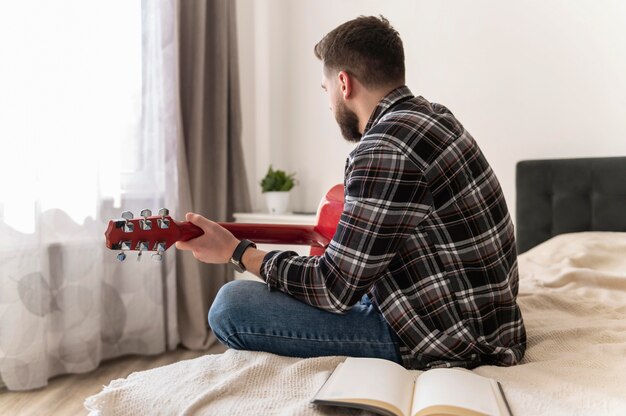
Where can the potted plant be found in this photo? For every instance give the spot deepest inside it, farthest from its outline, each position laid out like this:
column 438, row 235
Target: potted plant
column 276, row 186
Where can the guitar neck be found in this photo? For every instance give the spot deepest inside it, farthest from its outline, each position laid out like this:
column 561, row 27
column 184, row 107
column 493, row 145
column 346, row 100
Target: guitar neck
column 160, row 232
column 278, row 233
column 286, row 234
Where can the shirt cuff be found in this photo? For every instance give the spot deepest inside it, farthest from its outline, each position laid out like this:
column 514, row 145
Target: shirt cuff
column 270, row 266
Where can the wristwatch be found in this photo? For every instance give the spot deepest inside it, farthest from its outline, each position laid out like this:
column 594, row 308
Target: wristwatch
column 235, row 259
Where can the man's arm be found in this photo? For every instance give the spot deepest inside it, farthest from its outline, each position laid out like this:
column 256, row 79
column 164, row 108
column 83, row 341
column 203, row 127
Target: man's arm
column 386, row 197
column 217, row 245
column 252, row 260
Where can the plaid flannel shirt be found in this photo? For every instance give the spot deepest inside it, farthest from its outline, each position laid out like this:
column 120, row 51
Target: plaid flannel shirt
column 426, row 234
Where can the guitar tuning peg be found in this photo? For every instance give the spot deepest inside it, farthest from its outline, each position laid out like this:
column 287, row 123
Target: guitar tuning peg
column 146, row 224
column 128, row 227
column 121, row 256
column 160, row 248
column 163, row 222
column 141, row 247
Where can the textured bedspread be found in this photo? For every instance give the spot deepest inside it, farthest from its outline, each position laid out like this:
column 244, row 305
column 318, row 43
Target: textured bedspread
column 573, row 300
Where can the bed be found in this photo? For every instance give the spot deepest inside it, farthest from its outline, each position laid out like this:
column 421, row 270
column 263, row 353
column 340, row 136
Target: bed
column 571, row 235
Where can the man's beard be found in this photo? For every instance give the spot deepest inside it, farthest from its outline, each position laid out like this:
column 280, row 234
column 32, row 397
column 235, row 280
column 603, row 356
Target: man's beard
column 348, row 123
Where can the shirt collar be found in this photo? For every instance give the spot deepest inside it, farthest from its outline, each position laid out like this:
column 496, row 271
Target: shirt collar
column 388, row 101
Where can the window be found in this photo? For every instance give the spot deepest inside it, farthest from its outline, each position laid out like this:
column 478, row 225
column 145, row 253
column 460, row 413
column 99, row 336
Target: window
column 71, row 109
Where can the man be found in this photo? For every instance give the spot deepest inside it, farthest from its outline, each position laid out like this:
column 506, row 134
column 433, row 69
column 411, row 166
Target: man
column 422, row 269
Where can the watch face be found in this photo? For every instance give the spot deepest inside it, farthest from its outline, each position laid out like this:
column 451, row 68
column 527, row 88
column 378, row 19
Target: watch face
column 237, row 265
column 235, row 259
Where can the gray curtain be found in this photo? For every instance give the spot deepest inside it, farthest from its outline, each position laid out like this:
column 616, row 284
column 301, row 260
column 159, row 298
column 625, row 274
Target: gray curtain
column 212, row 177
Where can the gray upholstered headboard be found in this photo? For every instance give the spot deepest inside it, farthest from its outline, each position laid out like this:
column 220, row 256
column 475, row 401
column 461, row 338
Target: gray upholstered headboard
column 569, row 195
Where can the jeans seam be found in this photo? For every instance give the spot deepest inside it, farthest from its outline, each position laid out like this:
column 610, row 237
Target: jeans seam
column 305, row 339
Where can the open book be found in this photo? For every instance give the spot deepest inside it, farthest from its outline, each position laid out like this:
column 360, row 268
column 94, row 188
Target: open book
column 387, row 388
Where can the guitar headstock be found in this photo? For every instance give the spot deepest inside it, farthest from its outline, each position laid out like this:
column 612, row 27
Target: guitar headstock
column 147, row 233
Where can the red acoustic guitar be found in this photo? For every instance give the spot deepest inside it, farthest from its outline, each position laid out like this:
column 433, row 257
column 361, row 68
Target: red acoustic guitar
column 159, row 232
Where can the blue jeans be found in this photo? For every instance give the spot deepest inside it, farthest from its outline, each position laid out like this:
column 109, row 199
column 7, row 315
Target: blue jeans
column 247, row 316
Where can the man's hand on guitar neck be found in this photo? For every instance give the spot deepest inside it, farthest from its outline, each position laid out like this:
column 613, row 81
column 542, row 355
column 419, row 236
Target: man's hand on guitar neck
column 217, row 244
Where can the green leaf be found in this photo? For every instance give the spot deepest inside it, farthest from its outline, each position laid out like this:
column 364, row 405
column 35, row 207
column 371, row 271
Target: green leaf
column 277, row 180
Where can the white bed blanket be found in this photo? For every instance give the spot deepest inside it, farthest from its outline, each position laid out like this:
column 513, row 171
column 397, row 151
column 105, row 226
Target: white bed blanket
column 573, row 300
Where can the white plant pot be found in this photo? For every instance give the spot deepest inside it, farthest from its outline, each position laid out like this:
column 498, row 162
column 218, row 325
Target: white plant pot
column 277, row 202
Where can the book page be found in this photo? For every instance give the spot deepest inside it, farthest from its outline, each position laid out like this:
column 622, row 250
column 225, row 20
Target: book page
column 442, row 388
column 370, row 380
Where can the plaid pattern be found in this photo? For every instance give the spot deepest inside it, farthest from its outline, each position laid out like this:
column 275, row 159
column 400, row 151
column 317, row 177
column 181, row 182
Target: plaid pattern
column 426, row 233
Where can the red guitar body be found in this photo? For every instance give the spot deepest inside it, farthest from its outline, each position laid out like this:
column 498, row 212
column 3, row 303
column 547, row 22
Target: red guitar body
column 158, row 233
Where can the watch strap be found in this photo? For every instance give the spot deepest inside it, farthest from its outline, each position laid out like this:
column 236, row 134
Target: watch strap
column 235, row 259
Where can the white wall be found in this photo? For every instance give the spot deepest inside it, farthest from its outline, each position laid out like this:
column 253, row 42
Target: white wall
column 531, row 79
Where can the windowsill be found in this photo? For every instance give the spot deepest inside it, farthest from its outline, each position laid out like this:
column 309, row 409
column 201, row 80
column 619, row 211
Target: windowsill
column 267, row 218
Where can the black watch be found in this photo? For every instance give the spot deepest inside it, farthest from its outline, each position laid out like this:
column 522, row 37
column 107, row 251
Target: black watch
column 235, row 259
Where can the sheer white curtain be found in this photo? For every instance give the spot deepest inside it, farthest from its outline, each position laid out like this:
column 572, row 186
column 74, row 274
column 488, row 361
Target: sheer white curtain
column 87, row 129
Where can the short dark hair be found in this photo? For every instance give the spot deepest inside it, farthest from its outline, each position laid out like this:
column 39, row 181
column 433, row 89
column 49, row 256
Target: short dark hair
column 368, row 48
